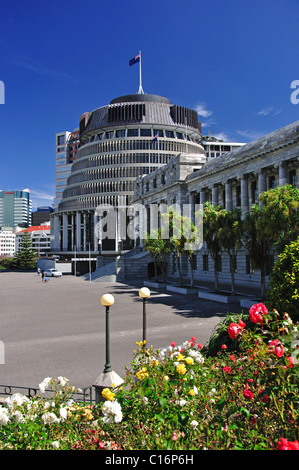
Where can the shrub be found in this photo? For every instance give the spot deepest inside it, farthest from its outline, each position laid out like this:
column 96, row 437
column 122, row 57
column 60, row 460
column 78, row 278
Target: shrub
column 178, row 398
column 284, row 281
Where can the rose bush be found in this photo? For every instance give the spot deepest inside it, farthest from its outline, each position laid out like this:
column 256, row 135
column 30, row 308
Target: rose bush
column 243, row 396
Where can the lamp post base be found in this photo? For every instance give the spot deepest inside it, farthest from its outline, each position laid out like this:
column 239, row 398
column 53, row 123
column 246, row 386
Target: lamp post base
column 106, row 380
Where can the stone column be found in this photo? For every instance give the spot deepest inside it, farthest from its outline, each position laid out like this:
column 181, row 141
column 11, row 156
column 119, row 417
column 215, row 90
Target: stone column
column 72, row 231
column 84, row 231
column 202, row 196
column 64, row 231
column 95, row 231
column 215, row 195
column 192, row 206
column 282, row 174
column 228, row 196
column 78, row 228
column 244, row 195
column 262, row 186
column 55, row 241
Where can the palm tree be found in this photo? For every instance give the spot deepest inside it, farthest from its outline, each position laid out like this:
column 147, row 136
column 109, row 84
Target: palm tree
column 211, row 226
column 258, row 240
column 230, row 234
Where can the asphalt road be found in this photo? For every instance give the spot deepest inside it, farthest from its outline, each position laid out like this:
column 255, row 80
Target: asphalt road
column 58, row 328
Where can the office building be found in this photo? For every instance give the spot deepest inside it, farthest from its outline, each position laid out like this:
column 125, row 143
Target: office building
column 67, row 144
column 7, row 243
column 15, row 208
column 41, row 215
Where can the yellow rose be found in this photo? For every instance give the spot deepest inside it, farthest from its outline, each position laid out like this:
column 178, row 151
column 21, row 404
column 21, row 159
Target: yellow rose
column 181, row 369
column 107, row 394
column 189, row 360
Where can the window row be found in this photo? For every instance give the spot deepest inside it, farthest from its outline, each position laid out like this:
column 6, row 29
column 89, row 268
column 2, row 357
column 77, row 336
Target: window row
column 105, row 187
column 123, row 133
column 122, row 159
column 143, row 144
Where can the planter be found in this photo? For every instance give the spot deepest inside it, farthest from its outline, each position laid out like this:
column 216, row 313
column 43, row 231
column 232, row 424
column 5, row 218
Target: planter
column 155, row 285
column 224, row 297
column 182, row 290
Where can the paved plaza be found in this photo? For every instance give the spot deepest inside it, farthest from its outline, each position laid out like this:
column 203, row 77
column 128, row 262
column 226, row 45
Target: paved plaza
column 58, row 328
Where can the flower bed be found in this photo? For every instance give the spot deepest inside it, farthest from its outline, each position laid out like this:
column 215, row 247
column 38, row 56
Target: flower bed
column 243, row 396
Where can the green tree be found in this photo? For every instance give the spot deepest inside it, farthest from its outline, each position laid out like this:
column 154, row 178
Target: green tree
column 211, row 227
column 158, row 248
column 258, row 240
column 184, row 237
column 230, row 235
column 281, row 214
column 26, row 256
column 283, row 294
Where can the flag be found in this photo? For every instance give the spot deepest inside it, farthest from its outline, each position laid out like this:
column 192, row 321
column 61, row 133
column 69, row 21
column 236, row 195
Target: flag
column 155, row 139
column 135, row 60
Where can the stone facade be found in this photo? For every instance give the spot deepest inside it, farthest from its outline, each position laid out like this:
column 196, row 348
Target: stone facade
column 233, row 180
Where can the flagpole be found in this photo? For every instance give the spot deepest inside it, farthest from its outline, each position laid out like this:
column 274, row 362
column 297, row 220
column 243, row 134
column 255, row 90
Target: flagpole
column 140, row 91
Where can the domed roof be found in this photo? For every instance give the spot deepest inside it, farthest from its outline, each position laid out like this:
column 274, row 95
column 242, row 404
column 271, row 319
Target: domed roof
column 140, row 97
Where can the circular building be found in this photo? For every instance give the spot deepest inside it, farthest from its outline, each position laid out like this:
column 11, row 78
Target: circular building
column 119, row 142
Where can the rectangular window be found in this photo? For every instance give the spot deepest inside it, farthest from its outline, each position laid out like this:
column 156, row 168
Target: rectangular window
column 292, row 178
column 145, row 132
column 120, row 133
column 205, row 262
column 219, row 263
column 60, row 140
column 132, row 132
column 169, row 134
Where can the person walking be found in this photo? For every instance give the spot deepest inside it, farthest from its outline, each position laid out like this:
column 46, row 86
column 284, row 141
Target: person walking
column 43, row 276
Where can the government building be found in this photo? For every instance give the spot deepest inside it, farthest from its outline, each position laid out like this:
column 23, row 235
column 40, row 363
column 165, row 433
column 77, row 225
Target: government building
column 142, row 150
column 132, row 136
column 235, row 179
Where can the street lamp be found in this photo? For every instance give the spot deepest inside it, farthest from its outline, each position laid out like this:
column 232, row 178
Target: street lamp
column 108, row 378
column 144, row 294
column 107, row 300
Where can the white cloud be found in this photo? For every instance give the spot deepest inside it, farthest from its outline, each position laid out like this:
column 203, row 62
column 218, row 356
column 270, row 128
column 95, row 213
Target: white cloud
column 41, row 69
column 270, row 111
column 202, row 110
column 250, row 134
column 208, row 123
column 41, row 198
column 221, row 136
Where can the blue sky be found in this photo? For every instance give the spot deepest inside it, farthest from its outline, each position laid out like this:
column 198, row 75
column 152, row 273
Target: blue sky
column 233, row 61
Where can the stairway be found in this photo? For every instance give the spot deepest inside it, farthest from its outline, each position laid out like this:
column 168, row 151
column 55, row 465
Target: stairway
column 131, row 265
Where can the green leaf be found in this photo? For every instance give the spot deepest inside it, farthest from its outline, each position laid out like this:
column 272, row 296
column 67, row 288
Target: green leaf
column 163, row 402
column 245, row 412
column 159, row 417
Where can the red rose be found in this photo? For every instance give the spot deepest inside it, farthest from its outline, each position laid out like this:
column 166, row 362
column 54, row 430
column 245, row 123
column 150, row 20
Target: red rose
column 248, row 393
column 284, row 444
column 278, row 349
column 291, row 361
column 227, row 369
column 256, row 312
column 235, row 328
